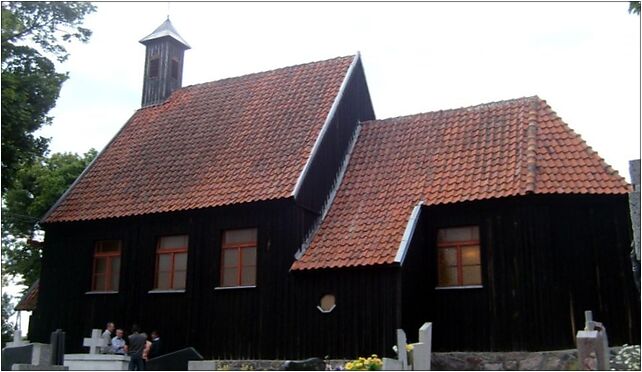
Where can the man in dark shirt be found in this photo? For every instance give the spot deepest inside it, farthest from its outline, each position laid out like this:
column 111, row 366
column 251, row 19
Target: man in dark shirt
column 155, row 349
column 135, row 349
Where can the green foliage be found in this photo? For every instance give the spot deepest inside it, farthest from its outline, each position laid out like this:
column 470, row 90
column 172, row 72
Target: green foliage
column 31, row 31
column 634, row 7
column 7, row 311
column 36, row 188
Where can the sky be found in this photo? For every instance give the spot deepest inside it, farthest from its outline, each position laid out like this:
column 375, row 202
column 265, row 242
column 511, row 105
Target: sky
column 582, row 58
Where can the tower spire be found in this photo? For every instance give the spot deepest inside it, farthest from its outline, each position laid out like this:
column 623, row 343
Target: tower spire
column 164, row 54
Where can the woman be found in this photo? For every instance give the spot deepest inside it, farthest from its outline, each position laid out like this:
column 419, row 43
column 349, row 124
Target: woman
column 148, row 346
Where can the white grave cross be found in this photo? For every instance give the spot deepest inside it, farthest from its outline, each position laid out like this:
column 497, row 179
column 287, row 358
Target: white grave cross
column 400, row 364
column 95, row 341
column 420, row 360
column 421, row 350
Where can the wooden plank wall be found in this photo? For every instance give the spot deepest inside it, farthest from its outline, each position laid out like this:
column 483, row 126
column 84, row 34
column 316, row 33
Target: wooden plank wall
column 546, row 259
column 202, row 316
column 364, row 321
column 277, row 319
column 158, row 89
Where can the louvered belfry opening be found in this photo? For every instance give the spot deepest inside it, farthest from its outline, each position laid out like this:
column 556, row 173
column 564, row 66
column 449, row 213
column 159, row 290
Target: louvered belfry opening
column 163, row 72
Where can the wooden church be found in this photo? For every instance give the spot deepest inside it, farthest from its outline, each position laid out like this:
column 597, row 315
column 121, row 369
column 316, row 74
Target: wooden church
column 272, row 216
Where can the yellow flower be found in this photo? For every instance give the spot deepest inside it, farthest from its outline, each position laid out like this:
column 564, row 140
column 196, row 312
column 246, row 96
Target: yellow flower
column 349, row 365
column 409, row 347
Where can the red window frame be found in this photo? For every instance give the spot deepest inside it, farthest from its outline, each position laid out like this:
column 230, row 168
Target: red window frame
column 172, row 268
column 109, row 256
column 239, row 265
column 458, row 245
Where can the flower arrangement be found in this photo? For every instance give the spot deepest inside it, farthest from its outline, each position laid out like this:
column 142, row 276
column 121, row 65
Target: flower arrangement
column 372, row 363
column 409, row 348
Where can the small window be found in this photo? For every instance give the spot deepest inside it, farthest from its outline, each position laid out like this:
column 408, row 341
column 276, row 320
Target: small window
column 154, row 68
column 106, row 271
column 327, row 303
column 238, row 258
column 174, row 69
column 171, row 262
column 458, row 257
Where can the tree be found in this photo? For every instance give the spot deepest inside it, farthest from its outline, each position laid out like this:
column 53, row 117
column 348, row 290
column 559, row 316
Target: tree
column 7, row 311
column 36, row 188
column 31, row 33
column 634, row 7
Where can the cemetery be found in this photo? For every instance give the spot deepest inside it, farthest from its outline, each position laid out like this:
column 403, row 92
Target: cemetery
column 593, row 353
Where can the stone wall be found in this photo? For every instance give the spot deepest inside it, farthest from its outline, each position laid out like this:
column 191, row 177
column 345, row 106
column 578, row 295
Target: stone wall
column 564, row 360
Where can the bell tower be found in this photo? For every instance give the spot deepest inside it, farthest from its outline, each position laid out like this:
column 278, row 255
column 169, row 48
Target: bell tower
column 164, row 53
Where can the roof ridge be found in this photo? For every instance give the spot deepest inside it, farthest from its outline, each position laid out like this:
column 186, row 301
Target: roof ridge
column 194, row 86
column 524, row 99
column 267, row 71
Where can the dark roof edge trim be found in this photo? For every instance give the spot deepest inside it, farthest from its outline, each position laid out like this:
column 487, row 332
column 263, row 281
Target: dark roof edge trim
column 326, row 124
column 531, row 146
column 333, row 193
column 408, row 233
column 82, row 174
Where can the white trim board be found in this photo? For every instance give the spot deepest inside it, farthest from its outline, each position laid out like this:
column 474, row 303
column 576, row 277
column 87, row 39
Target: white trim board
column 408, row 233
column 326, row 124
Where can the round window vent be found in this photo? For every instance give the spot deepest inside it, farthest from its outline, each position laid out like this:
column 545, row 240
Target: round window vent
column 327, row 303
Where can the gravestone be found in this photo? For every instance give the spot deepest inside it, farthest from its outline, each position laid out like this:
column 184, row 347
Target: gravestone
column 401, row 363
column 418, row 359
column 94, row 361
column 35, row 356
column 592, row 345
column 95, row 342
column 17, row 340
column 422, row 349
column 174, row 361
column 57, row 348
column 16, row 355
column 311, row 364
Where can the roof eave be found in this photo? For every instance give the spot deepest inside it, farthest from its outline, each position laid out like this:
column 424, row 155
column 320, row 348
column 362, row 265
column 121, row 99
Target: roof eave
column 43, row 220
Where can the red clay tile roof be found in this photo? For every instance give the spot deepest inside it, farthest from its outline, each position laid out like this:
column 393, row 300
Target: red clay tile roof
column 29, row 300
column 488, row 151
column 229, row 141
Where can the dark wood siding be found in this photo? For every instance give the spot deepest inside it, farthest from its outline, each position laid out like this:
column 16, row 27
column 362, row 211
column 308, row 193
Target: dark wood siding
column 226, row 322
column 355, row 106
column 364, row 321
column 277, row 319
column 545, row 260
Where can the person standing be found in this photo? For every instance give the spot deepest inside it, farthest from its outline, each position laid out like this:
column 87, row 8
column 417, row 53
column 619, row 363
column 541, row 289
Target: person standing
column 135, row 349
column 155, row 349
column 118, row 343
column 148, row 346
column 107, row 336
